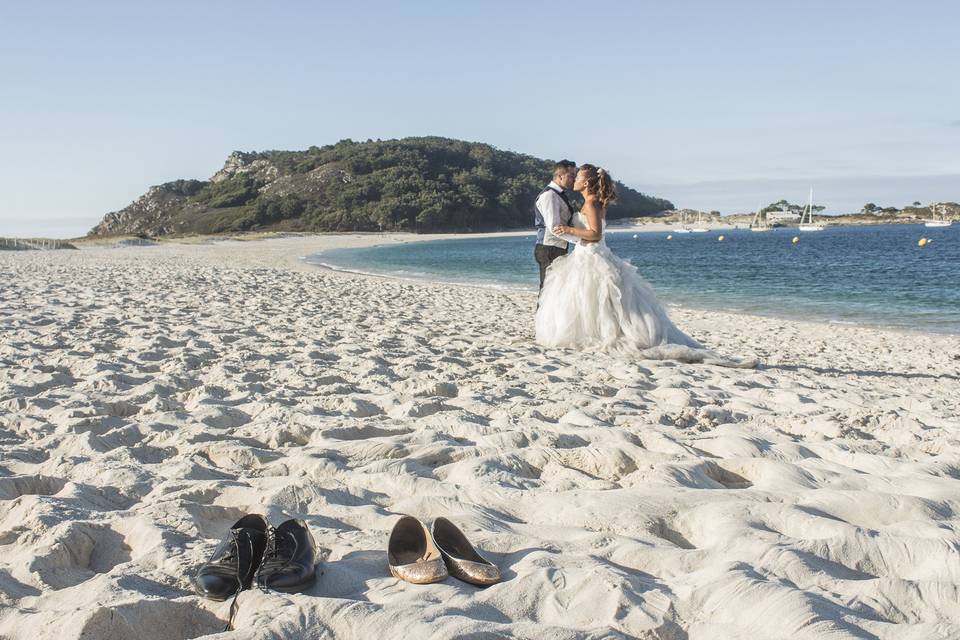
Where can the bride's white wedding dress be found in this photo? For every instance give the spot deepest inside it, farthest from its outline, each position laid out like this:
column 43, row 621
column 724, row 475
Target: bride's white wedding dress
column 593, row 300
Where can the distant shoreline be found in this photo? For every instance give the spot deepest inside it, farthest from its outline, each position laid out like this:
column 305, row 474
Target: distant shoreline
column 637, row 225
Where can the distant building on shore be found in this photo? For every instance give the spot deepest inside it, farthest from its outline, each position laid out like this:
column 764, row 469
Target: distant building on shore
column 782, row 216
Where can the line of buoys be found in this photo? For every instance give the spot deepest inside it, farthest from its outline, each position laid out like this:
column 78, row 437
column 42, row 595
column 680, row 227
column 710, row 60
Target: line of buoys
column 922, row 242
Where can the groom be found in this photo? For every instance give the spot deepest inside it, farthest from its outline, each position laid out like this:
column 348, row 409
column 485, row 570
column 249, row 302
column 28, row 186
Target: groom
column 553, row 208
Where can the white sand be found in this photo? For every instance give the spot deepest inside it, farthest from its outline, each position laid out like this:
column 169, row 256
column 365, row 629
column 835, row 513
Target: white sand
column 149, row 397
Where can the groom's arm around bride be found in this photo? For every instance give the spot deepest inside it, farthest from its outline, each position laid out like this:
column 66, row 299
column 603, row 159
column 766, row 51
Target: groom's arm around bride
column 553, row 208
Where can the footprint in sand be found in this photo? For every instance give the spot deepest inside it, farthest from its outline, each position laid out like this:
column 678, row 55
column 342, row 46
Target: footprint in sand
column 73, row 552
column 37, row 485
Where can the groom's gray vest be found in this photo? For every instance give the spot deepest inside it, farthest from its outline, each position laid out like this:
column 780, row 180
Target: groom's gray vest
column 538, row 220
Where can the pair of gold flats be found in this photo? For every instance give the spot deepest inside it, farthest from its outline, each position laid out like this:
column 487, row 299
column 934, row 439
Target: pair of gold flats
column 421, row 556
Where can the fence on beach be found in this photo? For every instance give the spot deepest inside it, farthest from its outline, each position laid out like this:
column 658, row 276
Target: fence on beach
column 33, row 244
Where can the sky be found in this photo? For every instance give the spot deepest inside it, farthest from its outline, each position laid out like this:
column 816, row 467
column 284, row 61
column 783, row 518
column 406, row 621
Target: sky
column 715, row 105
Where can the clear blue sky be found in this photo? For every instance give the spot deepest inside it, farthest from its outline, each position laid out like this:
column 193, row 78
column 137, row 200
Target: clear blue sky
column 713, row 104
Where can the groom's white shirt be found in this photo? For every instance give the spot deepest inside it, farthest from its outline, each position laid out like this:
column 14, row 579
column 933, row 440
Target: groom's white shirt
column 552, row 207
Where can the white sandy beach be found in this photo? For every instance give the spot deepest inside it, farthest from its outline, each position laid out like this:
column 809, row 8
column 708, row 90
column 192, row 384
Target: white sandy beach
column 151, row 396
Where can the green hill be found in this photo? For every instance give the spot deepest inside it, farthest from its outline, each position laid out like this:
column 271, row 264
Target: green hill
column 414, row 184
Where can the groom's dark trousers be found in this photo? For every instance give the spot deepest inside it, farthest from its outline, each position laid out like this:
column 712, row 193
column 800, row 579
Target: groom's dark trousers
column 544, row 255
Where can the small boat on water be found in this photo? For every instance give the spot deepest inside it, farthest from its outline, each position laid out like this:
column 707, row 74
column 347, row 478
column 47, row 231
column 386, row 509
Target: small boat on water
column 683, row 228
column 807, row 215
column 699, row 228
column 760, row 222
column 935, row 222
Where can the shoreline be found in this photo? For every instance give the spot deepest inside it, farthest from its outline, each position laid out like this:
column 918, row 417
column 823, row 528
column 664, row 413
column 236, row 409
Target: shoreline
column 362, row 240
column 302, row 242
column 426, row 278
column 746, row 315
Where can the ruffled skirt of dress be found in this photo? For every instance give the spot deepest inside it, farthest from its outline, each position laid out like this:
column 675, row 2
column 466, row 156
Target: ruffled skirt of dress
column 593, row 300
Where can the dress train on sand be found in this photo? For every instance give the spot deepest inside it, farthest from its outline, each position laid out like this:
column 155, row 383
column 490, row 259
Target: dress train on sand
column 594, row 300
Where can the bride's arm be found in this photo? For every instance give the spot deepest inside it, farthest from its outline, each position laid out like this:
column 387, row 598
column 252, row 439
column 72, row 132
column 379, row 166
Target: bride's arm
column 592, row 233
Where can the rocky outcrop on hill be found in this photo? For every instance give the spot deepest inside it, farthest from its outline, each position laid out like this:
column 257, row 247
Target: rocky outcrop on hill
column 153, row 213
column 241, row 163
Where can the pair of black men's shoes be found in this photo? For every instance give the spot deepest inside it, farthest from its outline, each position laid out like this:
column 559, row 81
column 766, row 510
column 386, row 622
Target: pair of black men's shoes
column 282, row 558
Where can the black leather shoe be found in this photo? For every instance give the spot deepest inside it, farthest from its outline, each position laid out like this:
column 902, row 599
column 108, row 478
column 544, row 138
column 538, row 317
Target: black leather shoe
column 233, row 564
column 289, row 563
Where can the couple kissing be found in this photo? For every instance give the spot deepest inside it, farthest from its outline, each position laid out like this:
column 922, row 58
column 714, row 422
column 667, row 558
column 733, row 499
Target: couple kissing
column 590, row 299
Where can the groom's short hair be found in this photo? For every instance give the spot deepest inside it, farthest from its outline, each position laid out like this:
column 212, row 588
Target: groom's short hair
column 563, row 166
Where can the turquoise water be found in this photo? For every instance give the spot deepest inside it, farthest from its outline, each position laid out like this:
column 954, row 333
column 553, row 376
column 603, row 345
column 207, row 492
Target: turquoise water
column 874, row 275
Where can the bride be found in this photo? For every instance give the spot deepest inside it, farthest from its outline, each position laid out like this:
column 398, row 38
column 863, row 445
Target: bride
column 593, row 300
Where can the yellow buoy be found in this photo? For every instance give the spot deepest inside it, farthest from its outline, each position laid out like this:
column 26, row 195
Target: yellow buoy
column 669, row 237
column 922, row 242
column 795, row 240
column 721, row 238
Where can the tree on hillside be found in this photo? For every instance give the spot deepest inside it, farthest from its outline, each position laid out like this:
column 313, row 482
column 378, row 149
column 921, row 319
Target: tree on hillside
column 789, row 207
column 781, row 205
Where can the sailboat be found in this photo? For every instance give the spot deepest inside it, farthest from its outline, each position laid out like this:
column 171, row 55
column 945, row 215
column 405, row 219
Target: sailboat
column 807, row 215
column 699, row 228
column 683, row 224
column 760, row 222
column 933, row 222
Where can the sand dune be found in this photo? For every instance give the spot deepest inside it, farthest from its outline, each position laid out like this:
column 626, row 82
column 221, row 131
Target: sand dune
column 151, row 396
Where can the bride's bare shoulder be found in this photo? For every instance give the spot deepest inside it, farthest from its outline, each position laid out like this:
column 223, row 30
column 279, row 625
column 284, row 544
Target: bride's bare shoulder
column 593, row 210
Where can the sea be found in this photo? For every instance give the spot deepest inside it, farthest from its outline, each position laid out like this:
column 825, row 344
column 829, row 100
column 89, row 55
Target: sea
column 874, row 275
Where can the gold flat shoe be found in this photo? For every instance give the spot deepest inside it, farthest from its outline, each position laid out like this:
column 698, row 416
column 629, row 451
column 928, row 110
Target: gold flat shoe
column 463, row 561
column 412, row 554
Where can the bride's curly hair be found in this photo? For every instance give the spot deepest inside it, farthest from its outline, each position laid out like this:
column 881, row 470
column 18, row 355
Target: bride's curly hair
column 600, row 184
